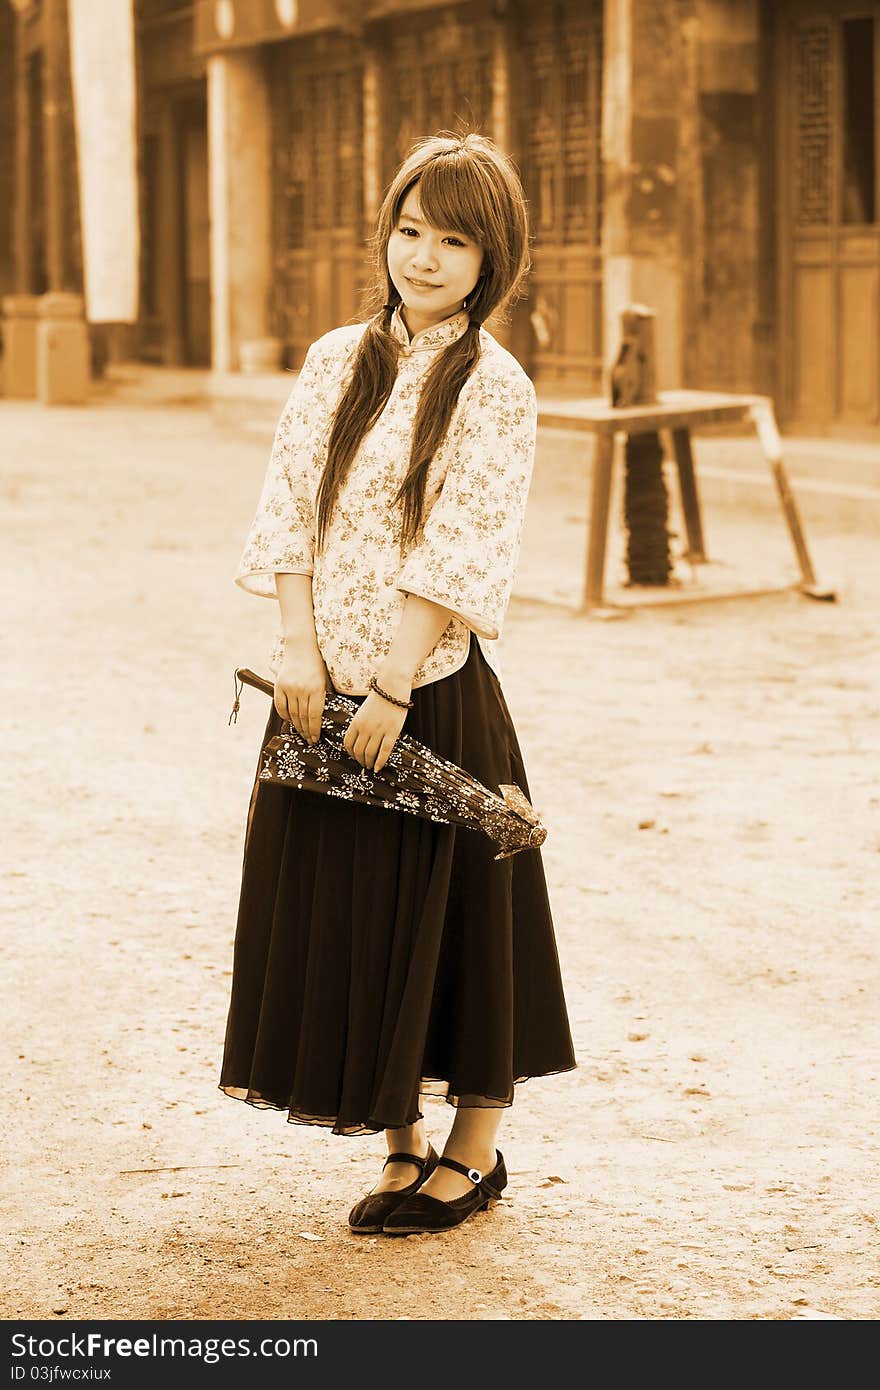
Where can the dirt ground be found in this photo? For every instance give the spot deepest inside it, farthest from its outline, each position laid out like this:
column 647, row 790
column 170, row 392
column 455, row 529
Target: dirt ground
column 708, row 775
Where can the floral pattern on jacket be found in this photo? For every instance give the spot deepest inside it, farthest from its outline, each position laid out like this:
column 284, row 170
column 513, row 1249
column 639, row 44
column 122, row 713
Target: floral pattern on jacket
column 464, row 556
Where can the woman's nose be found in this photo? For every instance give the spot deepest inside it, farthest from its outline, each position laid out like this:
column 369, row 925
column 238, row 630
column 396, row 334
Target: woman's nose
column 424, row 258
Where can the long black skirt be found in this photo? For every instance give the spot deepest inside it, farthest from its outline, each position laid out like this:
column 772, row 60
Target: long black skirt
column 380, row 957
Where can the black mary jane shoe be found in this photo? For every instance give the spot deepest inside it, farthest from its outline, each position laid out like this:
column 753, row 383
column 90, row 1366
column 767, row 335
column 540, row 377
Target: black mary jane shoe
column 422, row 1212
column 367, row 1216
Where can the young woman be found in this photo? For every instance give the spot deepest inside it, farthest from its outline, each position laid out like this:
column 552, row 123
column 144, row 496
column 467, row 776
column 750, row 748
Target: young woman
column 380, row 957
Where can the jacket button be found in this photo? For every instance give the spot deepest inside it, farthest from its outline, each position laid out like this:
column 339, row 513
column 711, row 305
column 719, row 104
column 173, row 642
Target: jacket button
column 389, row 579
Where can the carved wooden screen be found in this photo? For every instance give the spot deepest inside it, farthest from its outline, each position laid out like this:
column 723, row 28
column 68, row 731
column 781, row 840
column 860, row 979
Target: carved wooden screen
column 317, row 131
column 830, row 340
column 558, row 136
column 436, row 75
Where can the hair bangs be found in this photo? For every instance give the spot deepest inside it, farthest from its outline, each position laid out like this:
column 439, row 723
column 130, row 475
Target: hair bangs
column 452, row 199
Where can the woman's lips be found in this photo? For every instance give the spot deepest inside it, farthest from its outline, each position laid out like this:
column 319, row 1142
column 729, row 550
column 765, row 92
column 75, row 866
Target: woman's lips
column 422, row 284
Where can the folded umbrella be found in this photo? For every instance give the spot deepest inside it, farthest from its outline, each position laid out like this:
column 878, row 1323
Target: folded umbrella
column 414, row 780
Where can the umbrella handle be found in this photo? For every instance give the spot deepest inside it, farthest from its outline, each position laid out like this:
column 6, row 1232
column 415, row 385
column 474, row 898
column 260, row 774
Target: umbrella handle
column 244, row 676
column 247, row 677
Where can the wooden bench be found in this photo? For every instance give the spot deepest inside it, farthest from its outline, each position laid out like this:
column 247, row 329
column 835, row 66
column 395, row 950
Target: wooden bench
column 678, row 412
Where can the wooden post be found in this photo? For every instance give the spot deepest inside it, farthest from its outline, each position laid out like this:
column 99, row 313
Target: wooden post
column 646, row 511
column 501, row 132
column 764, row 420
column 24, row 274
column 603, row 458
column 690, row 498
column 646, row 503
column 55, row 51
column 634, row 374
column 373, row 123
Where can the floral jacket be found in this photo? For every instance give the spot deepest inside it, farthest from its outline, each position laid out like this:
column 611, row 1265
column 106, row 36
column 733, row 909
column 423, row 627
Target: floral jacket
column 464, row 556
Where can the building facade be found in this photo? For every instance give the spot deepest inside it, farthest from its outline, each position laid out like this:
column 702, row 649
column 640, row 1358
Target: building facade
column 715, row 159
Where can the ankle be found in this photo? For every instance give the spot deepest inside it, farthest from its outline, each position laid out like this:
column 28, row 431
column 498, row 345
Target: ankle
column 472, row 1154
column 411, row 1140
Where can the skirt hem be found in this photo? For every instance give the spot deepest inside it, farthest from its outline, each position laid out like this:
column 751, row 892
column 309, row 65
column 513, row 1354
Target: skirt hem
column 376, row 1126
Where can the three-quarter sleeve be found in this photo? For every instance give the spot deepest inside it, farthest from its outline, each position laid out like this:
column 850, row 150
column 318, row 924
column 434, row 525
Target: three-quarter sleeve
column 281, row 537
column 466, row 552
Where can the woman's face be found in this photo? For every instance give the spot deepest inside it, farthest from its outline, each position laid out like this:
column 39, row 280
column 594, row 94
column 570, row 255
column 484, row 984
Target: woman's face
column 433, row 268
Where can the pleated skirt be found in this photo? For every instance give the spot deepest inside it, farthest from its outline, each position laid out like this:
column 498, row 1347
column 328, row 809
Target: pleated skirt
column 380, row 958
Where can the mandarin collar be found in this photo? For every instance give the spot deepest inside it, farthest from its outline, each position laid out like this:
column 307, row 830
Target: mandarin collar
column 428, row 339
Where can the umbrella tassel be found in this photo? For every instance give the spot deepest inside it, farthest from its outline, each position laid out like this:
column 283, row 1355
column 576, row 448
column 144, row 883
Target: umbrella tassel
column 238, row 687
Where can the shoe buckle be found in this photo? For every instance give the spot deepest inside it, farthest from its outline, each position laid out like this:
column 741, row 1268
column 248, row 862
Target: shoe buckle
column 475, row 1176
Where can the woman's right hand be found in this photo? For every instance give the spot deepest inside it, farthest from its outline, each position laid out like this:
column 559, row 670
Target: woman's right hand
column 300, row 686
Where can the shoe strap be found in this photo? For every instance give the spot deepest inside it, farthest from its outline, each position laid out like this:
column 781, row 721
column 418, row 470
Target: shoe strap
column 409, row 1158
column 474, row 1174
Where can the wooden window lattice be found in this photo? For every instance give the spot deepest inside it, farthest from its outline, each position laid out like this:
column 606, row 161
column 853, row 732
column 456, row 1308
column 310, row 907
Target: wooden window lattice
column 813, row 74
column 439, row 78
column 318, row 122
column 563, row 48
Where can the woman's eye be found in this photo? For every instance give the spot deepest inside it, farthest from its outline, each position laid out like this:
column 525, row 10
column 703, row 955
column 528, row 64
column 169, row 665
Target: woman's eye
column 407, row 230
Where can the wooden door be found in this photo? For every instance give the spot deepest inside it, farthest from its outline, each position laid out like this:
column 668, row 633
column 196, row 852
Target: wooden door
column 320, row 262
column 559, row 47
column 174, row 324
column 830, row 253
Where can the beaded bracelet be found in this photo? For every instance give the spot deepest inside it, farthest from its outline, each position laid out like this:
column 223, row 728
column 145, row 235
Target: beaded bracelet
column 401, row 704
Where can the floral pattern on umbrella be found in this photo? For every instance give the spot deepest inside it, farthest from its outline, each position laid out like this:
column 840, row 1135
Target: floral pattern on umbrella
column 415, row 780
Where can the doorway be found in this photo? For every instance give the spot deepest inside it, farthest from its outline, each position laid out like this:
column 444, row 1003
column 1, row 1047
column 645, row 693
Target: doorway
column 175, row 321
column 830, row 228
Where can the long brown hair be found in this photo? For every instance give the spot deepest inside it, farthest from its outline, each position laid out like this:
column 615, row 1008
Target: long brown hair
column 465, row 184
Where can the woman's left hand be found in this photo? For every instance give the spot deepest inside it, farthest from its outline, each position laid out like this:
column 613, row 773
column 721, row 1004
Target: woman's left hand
column 373, row 731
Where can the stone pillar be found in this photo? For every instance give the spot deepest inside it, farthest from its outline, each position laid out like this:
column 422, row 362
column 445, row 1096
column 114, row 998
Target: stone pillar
column 643, row 65
column 239, row 173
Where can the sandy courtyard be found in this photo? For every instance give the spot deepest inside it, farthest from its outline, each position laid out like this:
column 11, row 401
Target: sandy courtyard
column 708, row 775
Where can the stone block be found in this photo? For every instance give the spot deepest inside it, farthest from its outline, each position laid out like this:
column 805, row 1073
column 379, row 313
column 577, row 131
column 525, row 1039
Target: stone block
column 62, row 350
column 20, row 346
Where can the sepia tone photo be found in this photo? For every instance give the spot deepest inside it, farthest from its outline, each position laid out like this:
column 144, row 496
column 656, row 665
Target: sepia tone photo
column 441, row 502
